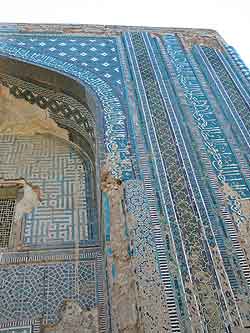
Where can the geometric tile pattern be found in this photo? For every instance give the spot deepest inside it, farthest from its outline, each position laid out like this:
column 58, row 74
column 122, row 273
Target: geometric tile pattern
column 62, row 216
column 221, row 141
column 38, row 291
column 143, row 251
column 227, row 87
column 96, row 54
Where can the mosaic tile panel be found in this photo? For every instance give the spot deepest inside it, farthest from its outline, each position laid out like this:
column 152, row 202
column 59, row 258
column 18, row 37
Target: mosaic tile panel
column 97, row 54
column 227, row 243
column 233, row 251
column 205, row 253
column 36, row 290
column 153, row 307
column 169, row 277
column 62, row 216
column 215, row 217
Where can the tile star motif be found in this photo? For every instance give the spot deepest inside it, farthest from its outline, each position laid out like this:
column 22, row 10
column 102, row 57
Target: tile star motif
column 99, row 54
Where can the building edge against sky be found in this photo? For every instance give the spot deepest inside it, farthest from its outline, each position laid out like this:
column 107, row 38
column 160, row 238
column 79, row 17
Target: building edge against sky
column 124, row 180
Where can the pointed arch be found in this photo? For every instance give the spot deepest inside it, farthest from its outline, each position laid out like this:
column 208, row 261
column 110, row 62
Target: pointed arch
column 95, row 89
column 75, row 124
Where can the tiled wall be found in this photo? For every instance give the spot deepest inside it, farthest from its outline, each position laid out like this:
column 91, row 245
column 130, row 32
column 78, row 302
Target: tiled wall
column 56, row 168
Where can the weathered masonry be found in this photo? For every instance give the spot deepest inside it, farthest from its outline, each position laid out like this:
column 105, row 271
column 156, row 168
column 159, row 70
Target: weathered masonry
column 124, row 181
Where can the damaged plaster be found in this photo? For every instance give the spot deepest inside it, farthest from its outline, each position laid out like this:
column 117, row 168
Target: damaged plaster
column 31, row 199
column 74, row 319
column 26, row 196
column 122, row 288
column 18, row 117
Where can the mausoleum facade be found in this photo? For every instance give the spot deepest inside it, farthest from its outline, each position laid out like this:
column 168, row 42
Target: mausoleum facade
column 124, row 180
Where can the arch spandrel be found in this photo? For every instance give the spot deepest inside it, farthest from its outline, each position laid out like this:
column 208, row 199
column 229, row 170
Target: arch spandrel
column 115, row 128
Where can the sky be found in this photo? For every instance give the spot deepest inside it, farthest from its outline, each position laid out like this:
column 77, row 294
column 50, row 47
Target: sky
column 231, row 18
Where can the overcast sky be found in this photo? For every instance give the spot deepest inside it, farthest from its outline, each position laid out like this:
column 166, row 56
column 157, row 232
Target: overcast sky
column 231, row 18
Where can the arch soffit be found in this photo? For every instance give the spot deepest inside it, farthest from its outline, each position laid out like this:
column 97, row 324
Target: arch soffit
column 88, row 162
column 67, row 112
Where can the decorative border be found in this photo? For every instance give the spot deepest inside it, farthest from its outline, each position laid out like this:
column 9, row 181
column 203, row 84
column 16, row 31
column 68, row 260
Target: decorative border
column 51, row 255
column 188, row 167
column 138, row 74
column 55, row 256
column 190, row 88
